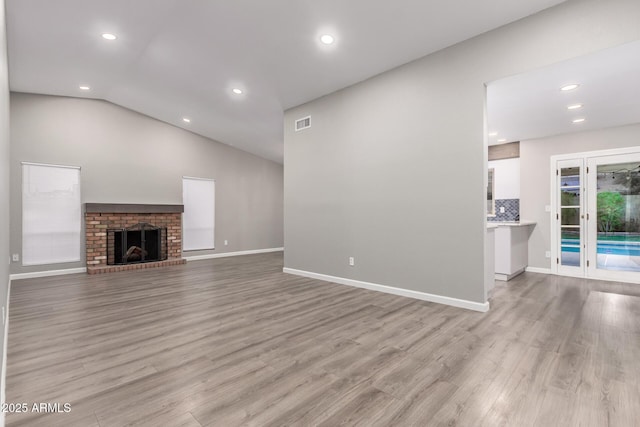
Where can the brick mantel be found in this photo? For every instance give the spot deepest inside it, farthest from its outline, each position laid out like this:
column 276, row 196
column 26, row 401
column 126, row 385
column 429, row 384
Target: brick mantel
column 102, row 216
column 131, row 208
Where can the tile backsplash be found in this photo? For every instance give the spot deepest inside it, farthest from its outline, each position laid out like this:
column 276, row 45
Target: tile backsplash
column 511, row 210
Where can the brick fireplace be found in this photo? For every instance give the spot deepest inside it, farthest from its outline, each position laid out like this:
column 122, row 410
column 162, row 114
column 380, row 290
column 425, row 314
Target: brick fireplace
column 101, row 217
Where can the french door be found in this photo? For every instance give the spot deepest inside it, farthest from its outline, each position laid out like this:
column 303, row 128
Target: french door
column 570, row 218
column 597, row 215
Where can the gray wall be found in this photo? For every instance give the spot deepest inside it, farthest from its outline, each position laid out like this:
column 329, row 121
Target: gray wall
column 535, row 170
column 127, row 157
column 372, row 178
column 4, row 179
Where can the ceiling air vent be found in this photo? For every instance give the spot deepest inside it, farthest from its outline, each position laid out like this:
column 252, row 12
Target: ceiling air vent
column 303, row 123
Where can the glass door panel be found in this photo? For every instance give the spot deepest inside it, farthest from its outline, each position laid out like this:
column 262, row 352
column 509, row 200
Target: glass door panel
column 569, row 217
column 616, row 205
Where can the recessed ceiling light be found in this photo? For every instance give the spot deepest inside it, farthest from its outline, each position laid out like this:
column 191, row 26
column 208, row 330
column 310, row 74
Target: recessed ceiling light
column 502, row 140
column 83, row 87
column 186, row 120
column 574, row 106
column 237, row 91
column 578, row 120
column 493, row 134
column 569, row 87
column 109, row 36
column 327, row 39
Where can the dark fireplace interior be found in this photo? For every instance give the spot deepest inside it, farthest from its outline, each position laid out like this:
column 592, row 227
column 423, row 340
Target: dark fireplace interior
column 140, row 243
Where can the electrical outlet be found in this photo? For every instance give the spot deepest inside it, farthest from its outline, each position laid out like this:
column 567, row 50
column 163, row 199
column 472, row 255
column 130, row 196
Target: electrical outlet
column 547, row 254
column 226, row 242
column 501, row 209
column 15, row 257
column 352, row 261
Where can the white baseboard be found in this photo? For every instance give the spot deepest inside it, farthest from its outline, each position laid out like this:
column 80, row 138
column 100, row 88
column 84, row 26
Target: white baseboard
column 228, row 254
column 506, row 277
column 538, row 270
column 3, row 375
column 48, row 273
column 470, row 305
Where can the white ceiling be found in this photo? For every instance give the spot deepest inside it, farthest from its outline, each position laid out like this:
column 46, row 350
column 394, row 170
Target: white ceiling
column 531, row 105
column 181, row 58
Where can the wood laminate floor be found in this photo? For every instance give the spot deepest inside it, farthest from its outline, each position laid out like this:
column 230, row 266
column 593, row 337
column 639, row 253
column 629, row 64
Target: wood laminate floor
column 235, row 341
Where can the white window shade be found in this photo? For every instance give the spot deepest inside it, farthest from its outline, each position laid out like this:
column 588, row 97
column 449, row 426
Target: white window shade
column 198, row 197
column 51, row 214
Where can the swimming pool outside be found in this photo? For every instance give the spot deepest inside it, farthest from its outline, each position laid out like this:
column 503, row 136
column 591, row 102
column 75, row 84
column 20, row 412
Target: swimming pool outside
column 605, row 247
column 613, row 253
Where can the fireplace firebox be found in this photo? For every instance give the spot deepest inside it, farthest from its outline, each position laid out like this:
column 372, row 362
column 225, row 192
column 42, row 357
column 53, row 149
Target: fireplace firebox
column 140, row 243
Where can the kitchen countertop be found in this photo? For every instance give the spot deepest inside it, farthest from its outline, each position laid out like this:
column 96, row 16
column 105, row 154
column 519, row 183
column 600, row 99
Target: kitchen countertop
column 510, row 224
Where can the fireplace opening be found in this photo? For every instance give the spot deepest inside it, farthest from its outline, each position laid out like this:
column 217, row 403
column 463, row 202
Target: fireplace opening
column 141, row 243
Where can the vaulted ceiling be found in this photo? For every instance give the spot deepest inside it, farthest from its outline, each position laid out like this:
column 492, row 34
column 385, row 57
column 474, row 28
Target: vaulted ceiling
column 175, row 59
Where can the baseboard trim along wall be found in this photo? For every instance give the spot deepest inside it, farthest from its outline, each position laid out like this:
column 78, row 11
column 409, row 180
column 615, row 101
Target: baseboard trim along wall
column 538, row 270
column 470, row 305
column 47, row 273
column 228, row 254
column 507, row 277
column 3, row 387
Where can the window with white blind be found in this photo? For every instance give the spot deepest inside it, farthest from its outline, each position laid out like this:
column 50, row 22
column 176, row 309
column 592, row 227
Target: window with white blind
column 51, row 214
column 198, row 197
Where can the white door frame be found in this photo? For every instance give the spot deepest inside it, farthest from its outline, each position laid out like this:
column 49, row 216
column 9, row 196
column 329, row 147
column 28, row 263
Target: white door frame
column 556, row 229
column 588, row 235
column 592, row 229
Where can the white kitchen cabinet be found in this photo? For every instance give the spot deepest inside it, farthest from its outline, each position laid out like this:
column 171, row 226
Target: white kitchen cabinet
column 511, row 248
